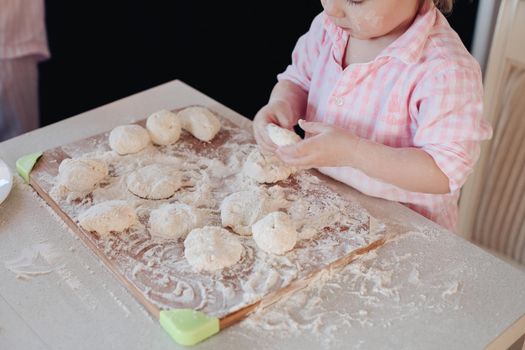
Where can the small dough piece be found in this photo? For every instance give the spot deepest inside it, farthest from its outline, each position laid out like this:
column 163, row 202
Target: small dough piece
column 126, row 139
column 173, row 220
column 281, row 136
column 266, row 168
column 156, row 181
column 81, row 175
column 164, row 127
column 115, row 215
column 240, row 210
column 200, row 122
column 212, row 248
column 275, row 233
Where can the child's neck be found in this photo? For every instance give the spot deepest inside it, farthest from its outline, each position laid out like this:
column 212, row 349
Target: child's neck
column 366, row 50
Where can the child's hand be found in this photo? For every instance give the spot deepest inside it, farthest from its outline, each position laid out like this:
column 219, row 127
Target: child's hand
column 325, row 146
column 278, row 112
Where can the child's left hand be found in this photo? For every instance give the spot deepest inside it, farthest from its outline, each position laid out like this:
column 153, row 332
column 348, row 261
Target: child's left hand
column 324, row 146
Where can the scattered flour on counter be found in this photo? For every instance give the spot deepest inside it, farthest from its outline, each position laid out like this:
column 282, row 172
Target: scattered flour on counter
column 120, row 304
column 38, row 259
column 376, row 292
column 20, row 184
column 452, row 288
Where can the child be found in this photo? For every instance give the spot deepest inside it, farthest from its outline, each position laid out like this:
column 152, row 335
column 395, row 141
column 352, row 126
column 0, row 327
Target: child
column 392, row 103
column 23, row 43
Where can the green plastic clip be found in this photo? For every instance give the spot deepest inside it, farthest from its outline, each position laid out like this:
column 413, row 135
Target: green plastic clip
column 188, row 327
column 25, row 164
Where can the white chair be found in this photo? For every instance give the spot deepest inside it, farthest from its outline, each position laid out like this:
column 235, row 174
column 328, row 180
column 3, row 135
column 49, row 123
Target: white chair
column 492, row 203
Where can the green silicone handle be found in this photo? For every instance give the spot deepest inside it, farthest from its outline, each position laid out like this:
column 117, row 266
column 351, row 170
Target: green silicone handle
column 25, row 164
column 188, row 327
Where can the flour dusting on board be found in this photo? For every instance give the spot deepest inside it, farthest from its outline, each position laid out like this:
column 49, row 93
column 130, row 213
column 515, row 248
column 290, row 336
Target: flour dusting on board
column 330, row 225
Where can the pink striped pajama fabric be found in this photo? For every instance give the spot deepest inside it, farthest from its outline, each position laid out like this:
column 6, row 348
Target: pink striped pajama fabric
column 424, row 90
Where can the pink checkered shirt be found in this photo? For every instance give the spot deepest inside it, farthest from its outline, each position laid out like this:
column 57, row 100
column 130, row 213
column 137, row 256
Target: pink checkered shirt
column 424, row 90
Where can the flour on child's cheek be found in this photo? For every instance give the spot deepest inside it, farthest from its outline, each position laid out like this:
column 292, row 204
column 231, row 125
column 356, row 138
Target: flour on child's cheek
column 373, row 19
column 366, row 21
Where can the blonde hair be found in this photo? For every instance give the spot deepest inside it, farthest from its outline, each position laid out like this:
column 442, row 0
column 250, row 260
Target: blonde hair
column 444, row 6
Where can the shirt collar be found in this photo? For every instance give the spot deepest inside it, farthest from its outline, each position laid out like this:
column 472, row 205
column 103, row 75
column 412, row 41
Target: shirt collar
column 409, row 46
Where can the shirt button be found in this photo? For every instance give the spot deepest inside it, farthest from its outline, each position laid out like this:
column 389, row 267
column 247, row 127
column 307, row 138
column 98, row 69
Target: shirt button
column 339, row 101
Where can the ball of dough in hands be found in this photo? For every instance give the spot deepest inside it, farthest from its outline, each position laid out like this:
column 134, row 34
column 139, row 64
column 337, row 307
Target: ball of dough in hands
column 200, row 122
column 275, row 233
column 266, row 168
column 164, row 127
column 126, row 139
column 212, row 248
column 173, row 220
column 281, row 136
column 81, row 175
column 115, row 215
column 156, row 181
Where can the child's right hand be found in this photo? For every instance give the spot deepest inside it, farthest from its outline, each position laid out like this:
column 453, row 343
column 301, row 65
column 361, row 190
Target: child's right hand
column 277, row 112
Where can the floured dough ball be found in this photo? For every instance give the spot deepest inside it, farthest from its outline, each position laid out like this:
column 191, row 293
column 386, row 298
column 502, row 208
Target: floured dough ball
column 164, row 127
column 265, row 168
column 275, row 233
column 200, row 122
column 126, row 139
column 156, row 181
column 173, row 220
column 108, row 216
column 212, row 248
column 81, row 175
column 240, row 210
column 281, row 136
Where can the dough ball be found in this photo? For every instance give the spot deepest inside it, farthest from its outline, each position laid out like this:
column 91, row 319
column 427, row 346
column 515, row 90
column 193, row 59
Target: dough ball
column 108, row 216
column 156, row 181
column 164, row 127
column 281, row 136
column 173, row 220
column 212, row 248
column 200, row 122
column 126, row 139
column 275, row 233
column 265, row 168
column 240, row 210
column 81, row 175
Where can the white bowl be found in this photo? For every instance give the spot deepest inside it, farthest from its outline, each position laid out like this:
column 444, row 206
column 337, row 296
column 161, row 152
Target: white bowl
column 6, row 181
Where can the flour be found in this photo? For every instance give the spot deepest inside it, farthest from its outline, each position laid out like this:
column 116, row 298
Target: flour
column 329, row 226
column 38, row 259
column 376, row 292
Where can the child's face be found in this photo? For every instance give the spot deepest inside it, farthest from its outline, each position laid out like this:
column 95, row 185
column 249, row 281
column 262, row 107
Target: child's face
column 368, row 19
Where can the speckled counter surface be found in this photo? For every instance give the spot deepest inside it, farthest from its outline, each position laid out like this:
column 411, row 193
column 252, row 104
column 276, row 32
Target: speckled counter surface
column 427, row 289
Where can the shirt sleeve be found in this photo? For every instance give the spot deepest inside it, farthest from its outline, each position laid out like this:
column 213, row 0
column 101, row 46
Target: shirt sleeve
column 448, row 112
column 305, row 54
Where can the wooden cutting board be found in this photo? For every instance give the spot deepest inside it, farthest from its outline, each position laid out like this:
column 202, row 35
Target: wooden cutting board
column 155, row 271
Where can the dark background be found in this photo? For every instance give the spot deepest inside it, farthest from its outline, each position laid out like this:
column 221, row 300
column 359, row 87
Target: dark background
column 229, row 50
